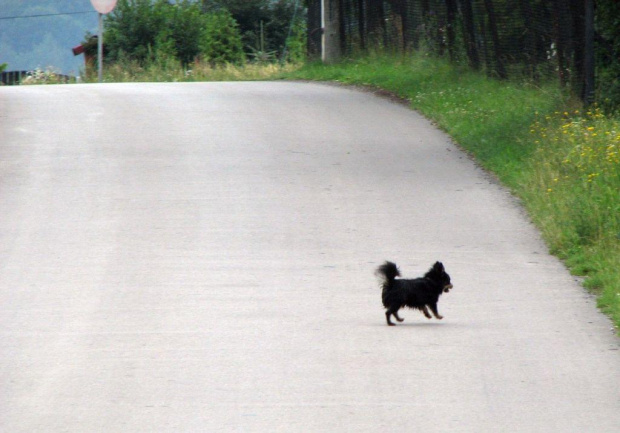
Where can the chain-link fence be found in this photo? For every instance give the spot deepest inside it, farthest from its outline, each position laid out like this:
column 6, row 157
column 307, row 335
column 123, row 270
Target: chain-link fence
column 536, row 39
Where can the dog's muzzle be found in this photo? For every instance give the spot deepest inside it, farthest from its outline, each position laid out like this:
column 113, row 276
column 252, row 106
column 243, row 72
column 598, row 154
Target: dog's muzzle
column 447, row 288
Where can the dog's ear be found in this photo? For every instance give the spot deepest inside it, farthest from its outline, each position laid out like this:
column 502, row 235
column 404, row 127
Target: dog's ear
column 438, row 266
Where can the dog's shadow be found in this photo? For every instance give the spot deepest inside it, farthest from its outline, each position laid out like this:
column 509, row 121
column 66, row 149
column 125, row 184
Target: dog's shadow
column 412, row 324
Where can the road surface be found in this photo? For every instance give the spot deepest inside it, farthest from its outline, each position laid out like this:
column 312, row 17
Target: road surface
column 199, row 258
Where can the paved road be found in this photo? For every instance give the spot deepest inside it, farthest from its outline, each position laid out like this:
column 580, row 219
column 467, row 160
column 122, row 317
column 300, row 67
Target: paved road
column 200, row 258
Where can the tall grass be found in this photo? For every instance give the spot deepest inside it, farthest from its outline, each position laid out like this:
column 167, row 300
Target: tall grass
column 564, row 163
column 574, row 192
column 166, row 69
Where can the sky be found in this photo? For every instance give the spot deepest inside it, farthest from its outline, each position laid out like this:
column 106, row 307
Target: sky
column 41, row 33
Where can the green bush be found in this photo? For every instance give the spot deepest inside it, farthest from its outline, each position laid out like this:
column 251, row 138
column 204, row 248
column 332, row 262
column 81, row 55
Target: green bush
column 186, row 23
column 264, row 25
column 148, row 31
column 296, row 43
column 221, row 40
column 131, row 30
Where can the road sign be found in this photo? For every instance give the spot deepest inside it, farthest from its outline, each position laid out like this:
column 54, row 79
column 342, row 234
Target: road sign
column 103, row 6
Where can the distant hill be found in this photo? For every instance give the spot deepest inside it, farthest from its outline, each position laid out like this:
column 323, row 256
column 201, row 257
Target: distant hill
column 28, row 42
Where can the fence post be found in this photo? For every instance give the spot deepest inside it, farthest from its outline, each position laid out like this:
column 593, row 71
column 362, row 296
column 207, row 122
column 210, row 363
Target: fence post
column 331, row 34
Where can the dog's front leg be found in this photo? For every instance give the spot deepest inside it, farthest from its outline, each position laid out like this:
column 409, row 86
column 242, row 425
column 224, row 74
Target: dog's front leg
column 391, row 312
column 426, row 313
column 433, row 308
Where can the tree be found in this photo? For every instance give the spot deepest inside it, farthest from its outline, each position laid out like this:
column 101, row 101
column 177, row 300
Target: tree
column 145, row 30
column 221, row 41
column 607, row 26
column 133, row 27
column 187, row 27
column 264, row 25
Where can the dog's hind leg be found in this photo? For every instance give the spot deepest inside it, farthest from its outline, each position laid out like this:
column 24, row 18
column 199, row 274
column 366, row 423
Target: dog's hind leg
column 397, row 317
column 433, row 308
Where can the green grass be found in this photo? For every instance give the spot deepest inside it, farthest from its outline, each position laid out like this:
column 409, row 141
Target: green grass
column 573, row 191
column 562, row 161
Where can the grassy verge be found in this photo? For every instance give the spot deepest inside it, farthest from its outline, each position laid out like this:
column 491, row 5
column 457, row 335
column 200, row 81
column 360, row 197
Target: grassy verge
column 563, row 163
column 170, row 70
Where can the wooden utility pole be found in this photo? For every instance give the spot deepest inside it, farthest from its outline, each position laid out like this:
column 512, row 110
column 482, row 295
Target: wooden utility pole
column 331, row 48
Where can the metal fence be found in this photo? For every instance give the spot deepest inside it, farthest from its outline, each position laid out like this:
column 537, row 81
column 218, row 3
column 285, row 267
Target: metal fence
column 537, row 39
column 12, row 77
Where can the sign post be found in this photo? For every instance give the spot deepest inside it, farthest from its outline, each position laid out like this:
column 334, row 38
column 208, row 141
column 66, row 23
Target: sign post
column 103, row 7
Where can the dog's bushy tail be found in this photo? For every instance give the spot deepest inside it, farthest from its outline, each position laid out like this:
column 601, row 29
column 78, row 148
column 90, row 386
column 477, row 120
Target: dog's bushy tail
column 388, row 271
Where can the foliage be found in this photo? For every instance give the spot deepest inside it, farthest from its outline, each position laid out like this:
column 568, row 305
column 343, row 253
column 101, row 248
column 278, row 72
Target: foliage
column 576, row 180
column 264, row 24
column 260, row 54
column 563, row 163
column 296, row 43
column 539, row 40
column 248, row 14
column 578, row 166
column 3, row 66
column 44, row 76
column 608, row 53
column 132, row 28
column 286, row 15
column 145, row 30
column 186, row 28
column 221, row 40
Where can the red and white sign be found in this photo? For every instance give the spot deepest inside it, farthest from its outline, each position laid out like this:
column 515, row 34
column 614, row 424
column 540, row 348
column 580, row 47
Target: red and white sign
column 103, row 6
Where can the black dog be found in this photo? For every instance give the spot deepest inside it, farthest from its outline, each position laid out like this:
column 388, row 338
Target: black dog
column 417, row 293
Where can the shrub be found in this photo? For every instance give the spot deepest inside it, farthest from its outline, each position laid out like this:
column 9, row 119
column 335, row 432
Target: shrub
column 221, row 41
column 149, row 31
column 132, row 29
column 47, row 76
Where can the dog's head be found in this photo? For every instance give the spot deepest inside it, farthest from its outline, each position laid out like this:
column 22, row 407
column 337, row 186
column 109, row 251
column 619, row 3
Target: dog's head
column 438, row 273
